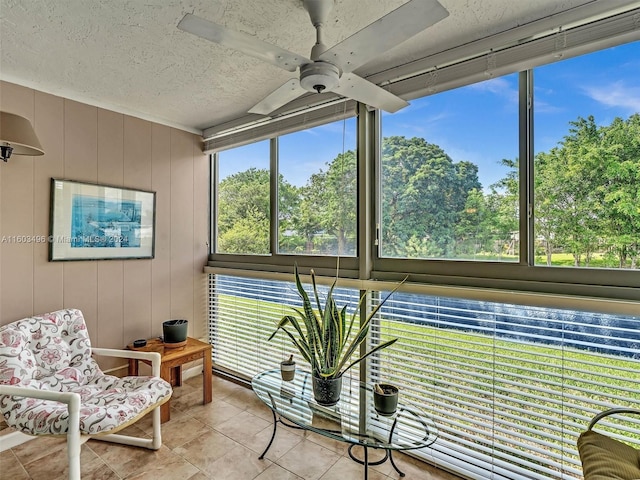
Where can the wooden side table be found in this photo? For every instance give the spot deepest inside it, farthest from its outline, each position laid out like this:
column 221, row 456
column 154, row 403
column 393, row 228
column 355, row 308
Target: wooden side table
column 171, row 366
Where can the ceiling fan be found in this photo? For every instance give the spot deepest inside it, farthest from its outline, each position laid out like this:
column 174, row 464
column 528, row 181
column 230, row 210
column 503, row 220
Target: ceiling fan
column 329, row 69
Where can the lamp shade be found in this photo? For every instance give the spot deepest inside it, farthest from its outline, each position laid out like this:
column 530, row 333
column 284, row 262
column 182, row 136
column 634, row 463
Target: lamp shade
column 17, row 132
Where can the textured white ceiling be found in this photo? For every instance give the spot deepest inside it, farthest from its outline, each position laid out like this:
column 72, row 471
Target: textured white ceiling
column 128, row 55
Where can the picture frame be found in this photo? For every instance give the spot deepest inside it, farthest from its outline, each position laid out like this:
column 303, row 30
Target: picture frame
column 100, row 222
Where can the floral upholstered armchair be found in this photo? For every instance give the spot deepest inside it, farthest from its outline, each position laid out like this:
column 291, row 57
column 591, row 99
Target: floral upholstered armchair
column 51, row 385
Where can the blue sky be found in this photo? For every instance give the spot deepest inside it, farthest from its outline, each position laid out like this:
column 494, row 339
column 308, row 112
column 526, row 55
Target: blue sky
column 477, row 123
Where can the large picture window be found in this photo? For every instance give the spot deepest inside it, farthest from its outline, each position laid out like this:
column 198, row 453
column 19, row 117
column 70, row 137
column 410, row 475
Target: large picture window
column 478, row 194
column 243, row 200
column 317, row 190
column 587, row 162
column 305, row 182
column 449, row 176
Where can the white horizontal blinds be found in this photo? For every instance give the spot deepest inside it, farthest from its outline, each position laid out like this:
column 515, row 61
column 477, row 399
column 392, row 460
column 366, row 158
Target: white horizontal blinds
column 225, row 137
column 510, row 387
column 469, row 64
column 243, row 312
column 242, row 317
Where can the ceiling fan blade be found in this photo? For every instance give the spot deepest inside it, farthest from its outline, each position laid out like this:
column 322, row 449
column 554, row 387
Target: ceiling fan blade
column 357, row 88
column 385, row 33
column 242, row 42
column 279, row 97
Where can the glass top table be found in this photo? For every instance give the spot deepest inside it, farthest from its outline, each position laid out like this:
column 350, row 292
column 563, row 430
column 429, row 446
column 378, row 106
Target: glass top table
column 352, row 420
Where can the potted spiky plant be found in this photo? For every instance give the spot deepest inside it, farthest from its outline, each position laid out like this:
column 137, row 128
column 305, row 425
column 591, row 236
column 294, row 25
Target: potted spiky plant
column 327, row 339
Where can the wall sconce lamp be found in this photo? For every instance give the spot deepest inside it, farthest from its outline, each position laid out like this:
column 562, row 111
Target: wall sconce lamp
column 17, row 136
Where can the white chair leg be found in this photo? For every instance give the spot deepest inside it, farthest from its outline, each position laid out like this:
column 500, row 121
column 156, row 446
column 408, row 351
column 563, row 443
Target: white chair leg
column 74, row 446
column 157, row 435
column 74, row 439
column 74, row 443
column 153, row 443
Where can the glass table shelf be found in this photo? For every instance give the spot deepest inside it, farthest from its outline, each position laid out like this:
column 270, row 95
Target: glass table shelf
column 352, row 420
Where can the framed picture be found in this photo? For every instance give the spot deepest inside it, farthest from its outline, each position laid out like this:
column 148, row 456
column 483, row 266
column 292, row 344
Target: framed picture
column 100, row 222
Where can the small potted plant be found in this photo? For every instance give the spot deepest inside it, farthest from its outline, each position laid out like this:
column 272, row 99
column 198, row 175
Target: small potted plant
column 288, row 369
column 385, row 398
column 327, row 338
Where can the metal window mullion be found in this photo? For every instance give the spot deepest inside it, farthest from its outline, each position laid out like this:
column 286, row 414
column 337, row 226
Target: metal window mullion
column 274, row 206
column 212, row 207
column 366, row 149
column 525, row 135
column 215, row 182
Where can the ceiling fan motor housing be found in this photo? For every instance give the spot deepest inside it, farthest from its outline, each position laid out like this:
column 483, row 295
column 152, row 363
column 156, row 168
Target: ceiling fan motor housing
column 318, row 77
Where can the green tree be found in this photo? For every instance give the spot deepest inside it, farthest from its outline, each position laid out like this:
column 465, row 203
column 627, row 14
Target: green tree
column 307, row 221
column 548, row 211
column 327, row 208
column 503, row 205
column 489, row 222
column 423, row 195
column 619, row 188
column 289, row 198
column 471, row 238
column 587, row 192
column 243, row 212
column 340, row 199
column 566, row 180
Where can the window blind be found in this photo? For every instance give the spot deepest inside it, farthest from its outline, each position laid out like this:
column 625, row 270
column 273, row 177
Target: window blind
column 510, row 387
column 243, row 313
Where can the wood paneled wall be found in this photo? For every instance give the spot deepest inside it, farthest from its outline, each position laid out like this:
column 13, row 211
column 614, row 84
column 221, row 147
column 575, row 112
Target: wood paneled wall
column 121, row 299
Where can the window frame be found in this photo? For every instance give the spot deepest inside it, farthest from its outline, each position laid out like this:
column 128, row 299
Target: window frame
column 598, row 290
column 275, row 261
column 522, row 276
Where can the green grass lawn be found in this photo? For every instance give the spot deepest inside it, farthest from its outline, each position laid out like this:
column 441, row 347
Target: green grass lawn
column 598, row 260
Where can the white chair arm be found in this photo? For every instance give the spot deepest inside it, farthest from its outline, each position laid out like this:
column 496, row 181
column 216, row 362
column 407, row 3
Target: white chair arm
column 70, row 398
column 153, row 357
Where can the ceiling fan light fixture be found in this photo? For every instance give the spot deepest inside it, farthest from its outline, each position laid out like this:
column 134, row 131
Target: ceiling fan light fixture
column 318, row 77
column 328, row 69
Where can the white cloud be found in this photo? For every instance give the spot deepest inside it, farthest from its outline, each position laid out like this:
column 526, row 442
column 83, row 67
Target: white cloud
column 498, row 86
column 423, row 124
column 617, row 95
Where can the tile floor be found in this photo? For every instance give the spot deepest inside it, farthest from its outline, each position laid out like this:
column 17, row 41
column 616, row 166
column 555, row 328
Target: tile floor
column 220, row 440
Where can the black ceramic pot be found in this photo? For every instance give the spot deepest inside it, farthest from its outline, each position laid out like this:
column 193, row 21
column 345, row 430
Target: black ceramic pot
column 326, row 391
column 386, row 403
column 175, row 331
